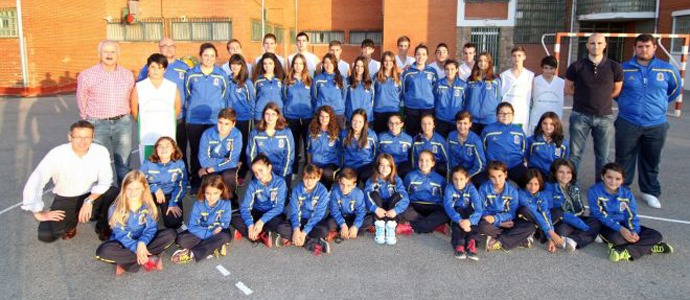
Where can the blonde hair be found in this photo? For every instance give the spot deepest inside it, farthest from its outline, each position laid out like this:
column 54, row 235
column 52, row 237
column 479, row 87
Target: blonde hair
column 122, row 210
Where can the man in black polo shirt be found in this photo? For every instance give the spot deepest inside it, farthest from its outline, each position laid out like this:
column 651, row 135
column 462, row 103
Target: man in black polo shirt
column 593, row 81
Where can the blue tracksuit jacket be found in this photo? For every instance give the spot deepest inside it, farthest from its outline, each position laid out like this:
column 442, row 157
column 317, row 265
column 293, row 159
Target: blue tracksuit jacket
column 418, row 87
column 386, row 191
column 397, row 146
column 309, row 206
column 241, row 99
column 280, row 149
column 268, row 199
column 205, row 219
column 326, row 92
column 504, row 143
column 360, row 97
column 449, row 99
column 297, row 99
column 205, row 95
column 469, row 155
column 614, row 210
column 355, row 157
column 541, row 154
column 347, row 205
column 220, row 153
column 503, row 206
column 170, row 177
column 482, row 98
column 267, row 90
column 387, row 96
column 466, row 198
column 425, row 188
column 140, row 227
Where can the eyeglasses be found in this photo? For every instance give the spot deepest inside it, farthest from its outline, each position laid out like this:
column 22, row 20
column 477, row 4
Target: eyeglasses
column 395, row 123
column 505, row 114
column 81, row 138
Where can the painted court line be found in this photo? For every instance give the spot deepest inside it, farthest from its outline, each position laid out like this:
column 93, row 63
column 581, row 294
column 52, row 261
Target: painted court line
column 10, row 208
column 664, row 219
column 222, row 270
column 246, row 290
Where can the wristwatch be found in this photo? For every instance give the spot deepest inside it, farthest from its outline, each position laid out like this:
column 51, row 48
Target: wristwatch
column 88, row 200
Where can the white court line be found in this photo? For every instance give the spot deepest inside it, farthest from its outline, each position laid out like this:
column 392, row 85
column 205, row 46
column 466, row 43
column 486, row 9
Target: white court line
column 20, row 203
column 664, row 219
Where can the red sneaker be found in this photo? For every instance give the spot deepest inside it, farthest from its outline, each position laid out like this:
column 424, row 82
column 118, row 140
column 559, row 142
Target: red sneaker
column 404, row 228
column 237, row 236
column 371, row 229
column 240, row 181
column 332, row 235
column 119, row 270
column 317, row 250
column 472, row 250
column 442, row 229
column 267, row 239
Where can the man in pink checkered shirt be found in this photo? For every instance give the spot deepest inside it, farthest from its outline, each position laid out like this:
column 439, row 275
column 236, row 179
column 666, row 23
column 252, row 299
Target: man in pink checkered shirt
column 103, row 93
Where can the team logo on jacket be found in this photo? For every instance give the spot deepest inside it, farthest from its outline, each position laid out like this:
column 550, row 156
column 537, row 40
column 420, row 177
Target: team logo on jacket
column 623, row 206
column 429, row 76
column 281, row 143
column 180, row 74
column 196, row 80
column 173, row 177
column 229, row 144
column 352, row 205
column 434, row 149
column 469, row 151
column 557, row 152
column 142, row 217
column 404, row 147
column 391, row 189
column 216, row 81
column 274, row 196
column 631, row 78
column 314, row 201
column 434, row 190
column 659, row 76
column 516, row 139
column 457, row 93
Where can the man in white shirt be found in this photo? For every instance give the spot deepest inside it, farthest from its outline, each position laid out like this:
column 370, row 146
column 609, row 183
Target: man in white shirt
column 402, row 60
column 83, row 179
column 303, row 48
column 516, row 87
column 234, row 47
column 368, row 49
column 269, row 45
column 441, row 58
column 469, row 50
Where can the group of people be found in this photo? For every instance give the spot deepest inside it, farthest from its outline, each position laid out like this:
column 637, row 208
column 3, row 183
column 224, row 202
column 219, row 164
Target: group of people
column 393, row 147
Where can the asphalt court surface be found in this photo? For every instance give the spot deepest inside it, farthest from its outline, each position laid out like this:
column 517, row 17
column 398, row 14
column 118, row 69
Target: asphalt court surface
column 418, row 267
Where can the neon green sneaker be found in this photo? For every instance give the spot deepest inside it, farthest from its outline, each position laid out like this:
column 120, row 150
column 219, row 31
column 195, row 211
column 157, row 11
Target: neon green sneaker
column 662, row 248
column 616, row 256
column 182, row 256
column 492, row 244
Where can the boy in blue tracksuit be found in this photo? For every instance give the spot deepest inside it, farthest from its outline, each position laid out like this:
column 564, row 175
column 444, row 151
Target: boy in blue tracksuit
column 464, row 208
column 167, row 177
column 506, row 142
column 209, row 224
column 398, row 144
column 262, row 208
column 330, row 89
column 430, row 140
column 449, row 98
column 267, row 90
column 418, row 90
column 500, row 204
column 425, row 188
column 347, row 206
column 220, row 149
column 308, row 204
column 465, row 148
column 615, row 207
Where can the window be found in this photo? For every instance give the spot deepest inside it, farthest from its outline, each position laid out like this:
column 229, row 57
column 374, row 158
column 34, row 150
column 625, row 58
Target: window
column 268, row 28
column 280, row 33
column 681, row 25
column 356, row 37
column 293, row 35
column 151, row 30
column 202, row 30
column 256, row 31
column 325, row 37
column 537, row 17
column 8, row 23
column 487, row 39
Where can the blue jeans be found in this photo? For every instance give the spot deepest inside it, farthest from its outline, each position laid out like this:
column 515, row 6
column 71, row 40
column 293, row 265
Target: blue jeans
column 642, row 145
column 603, row 134
column 116, row 135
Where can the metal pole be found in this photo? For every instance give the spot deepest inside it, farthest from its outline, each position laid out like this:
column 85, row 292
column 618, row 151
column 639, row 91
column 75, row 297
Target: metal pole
column 22, row 46
column 263, row 19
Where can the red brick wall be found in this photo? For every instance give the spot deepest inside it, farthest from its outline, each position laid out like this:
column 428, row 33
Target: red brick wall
column 486, row 10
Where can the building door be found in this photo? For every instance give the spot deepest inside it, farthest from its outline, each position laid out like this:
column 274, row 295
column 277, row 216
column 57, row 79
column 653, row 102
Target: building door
column 614, row 48
column 487, row 39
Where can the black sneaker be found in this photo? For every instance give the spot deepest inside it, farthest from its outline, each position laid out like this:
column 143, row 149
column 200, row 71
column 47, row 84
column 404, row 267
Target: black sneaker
column 460, row 252
column 662, row 248
column 472, row 250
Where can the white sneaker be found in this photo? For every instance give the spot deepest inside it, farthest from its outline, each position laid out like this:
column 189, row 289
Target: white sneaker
column 390, row 233
column 570, row 244
column 652, row 201
column 598, row 240
column 380, row 237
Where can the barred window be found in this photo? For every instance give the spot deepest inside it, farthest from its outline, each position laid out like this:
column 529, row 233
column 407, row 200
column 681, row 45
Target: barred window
column 144, row 31
column 8, row 22
column 537, row 17
column 325, row 37
column 356, row 37
column 681, row 25
column 201, row 30
column 487, row 40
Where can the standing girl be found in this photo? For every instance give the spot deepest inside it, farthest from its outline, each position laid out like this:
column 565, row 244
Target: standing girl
column 298, row 106
column 418, row 86
column 206, row 85
column 359, row 145
column 241, row 98
column 330, row 88
column 386, row 198
column 397, row 143
column 483, row 93
column 449, row 95
column 272, row 138
column 360, row 93
column 209, row 224
column 136, row 240
column 387, row 92
column 268, row 83
column 323, row 144
column 167, row 177
column 547, row 144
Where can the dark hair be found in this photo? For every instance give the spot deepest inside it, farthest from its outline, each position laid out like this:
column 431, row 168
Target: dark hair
column 504, row 104
column 347, row 173
column 302, row 33
column 270, row 36
column 81, row 124
column 557, row 135
column 335, row 43
column 333, row 125
column 381, row 74
column 290, row 78
column 433, row 158
column 421, row 46
column 469, row 45
column 215, row 181
column 394, row 172
column 403, row 38
column 645, row 37
column 550, row 61
column 205, row 46
column 368, row 43
column 157, row 58
column 241, row 78
column 228, row 113
column 557, row 164
column 477, row 73
column 426, row 115
column 278, row 71
column 364, row 135
column 461, row 115
column 227, row 45
column 366, row 79
column 338, row 77
column 176, row 155
column 496, row 165
column 613, row 167
column 396, row 115
column 460, row 169
column 442, row 45
column 533, row 173
column 451, row 62
column 261, row 158
column 518, row 49
column 281, row 123
column 312, row 170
